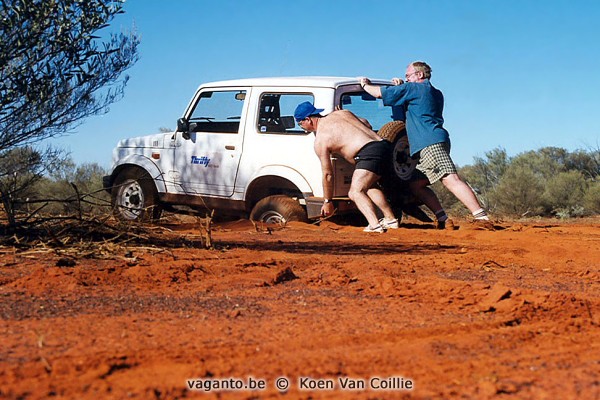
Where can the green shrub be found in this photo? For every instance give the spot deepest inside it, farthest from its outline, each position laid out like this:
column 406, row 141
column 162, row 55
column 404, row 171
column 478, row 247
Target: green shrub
column 518, row 193
column 564, row 193
column 70, row 184
column 591, row 198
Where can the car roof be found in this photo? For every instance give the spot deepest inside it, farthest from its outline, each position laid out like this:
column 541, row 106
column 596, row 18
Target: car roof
column 303, row 81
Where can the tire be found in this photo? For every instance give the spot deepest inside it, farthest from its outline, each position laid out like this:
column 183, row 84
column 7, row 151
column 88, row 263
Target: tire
column 134, row 197
column 278, row 209
column 390, row 130
column 395, row 133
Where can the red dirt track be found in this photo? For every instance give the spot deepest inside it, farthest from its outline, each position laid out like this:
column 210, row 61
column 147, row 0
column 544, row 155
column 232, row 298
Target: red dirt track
column 512, row 313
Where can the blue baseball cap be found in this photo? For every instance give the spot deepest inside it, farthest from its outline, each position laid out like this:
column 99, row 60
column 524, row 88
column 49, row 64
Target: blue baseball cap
column 304, row 110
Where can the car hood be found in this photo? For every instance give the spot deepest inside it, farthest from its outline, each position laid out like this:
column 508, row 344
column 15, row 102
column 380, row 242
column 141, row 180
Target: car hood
column 157, row 140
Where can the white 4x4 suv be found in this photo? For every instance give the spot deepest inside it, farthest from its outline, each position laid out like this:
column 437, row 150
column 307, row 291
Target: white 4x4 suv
column 238, row 150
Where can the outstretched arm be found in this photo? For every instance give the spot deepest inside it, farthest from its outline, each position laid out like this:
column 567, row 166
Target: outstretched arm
column 373, row 90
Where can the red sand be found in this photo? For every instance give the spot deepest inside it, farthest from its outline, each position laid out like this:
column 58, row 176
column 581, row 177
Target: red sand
column 509, row 314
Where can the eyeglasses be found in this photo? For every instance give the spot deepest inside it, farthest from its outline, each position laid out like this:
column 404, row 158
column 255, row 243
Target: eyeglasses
column 409, row 75
column 301, row 121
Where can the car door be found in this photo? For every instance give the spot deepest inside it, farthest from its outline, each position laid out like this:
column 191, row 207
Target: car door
column 207, row 163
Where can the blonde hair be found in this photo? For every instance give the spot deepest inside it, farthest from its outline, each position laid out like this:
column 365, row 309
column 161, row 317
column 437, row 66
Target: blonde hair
column 423, row 67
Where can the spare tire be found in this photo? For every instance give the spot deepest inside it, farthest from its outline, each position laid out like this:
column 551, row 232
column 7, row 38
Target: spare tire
column 403, row 164
column 390, row 130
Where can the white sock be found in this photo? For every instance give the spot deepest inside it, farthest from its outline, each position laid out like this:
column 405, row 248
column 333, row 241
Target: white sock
column 480, row 215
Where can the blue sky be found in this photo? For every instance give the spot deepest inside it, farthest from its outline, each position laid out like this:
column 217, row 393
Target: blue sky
column 515, row 74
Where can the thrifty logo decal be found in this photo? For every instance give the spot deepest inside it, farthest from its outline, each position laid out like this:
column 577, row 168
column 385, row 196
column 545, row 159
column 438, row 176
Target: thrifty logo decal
column 201, row 160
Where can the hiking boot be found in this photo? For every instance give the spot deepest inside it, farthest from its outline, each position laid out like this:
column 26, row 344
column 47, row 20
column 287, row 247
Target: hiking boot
column 389, row 223
column 449, row 225
column 376, row 229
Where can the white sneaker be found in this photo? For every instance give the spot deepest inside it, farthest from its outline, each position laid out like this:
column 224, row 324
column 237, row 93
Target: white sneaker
column 389, row 223
column 377, row 229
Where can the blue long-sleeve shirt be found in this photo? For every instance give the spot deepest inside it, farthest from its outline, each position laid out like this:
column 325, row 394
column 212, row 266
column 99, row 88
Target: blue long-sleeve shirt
column 423, row 105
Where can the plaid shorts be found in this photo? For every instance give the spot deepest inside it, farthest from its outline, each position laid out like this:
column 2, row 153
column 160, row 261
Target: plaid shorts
column 435, row 162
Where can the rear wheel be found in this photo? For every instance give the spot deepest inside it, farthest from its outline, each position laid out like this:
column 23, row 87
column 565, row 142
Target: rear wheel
column 278, row 209
column 134, row 196
column 404, row 164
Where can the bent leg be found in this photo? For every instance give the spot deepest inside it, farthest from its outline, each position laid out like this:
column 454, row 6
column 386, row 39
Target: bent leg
column 362, row 181
column 420, row 188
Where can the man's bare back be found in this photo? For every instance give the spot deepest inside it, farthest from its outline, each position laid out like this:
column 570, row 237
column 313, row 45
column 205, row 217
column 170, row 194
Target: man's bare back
column 341, row 132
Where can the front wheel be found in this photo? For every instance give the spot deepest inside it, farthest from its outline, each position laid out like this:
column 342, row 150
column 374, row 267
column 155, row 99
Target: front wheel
column 134, row 196
column 278, row 209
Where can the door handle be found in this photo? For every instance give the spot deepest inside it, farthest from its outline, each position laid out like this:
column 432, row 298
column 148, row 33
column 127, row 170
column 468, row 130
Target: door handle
column 229, row 147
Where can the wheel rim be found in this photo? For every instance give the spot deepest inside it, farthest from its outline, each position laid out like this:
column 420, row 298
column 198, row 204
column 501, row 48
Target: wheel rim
column 404, row 165
column 272, row 217
column 130, row 199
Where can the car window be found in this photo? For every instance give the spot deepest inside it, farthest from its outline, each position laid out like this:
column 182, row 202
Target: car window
column 366, row 106
column 218, row 111
column 276, row 112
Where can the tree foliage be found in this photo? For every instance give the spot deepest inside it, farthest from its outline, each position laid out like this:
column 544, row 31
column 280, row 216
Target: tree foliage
column 54, row 70
column 485, row 174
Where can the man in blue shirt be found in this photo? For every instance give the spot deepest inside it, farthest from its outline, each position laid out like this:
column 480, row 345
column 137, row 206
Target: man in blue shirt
column 429, row 141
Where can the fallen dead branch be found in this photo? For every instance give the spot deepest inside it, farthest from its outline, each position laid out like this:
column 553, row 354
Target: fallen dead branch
column 97, row 237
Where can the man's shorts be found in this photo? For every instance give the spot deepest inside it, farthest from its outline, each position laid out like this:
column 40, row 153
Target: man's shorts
column 435, row 163
column 374, row 156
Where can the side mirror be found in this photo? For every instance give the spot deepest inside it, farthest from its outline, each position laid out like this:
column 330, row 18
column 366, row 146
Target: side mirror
column 183, row 126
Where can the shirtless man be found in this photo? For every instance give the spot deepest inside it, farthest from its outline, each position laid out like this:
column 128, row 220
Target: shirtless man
column 343, row 133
